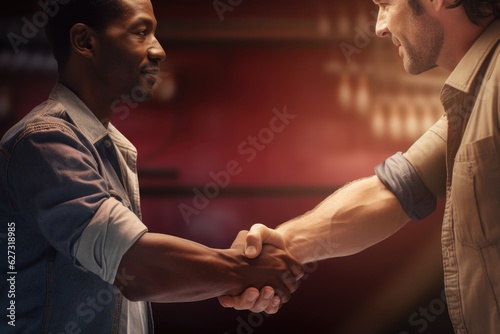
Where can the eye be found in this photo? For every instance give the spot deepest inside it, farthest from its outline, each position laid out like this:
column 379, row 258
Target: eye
column 382, row 5
column 143, row 31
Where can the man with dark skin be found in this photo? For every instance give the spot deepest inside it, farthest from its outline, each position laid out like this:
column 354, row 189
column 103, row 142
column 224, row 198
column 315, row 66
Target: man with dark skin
column 457, row 159
column 69, row 194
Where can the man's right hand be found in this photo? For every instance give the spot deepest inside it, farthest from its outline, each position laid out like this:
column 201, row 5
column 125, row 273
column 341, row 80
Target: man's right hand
column 273, row 265
column 252, row 299
column 259, row 235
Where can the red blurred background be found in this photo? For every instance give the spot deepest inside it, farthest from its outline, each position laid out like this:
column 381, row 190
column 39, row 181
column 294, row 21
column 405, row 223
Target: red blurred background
column 350, row 105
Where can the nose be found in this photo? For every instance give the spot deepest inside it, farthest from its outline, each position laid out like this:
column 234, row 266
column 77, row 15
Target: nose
column 381, row 28
column 156, row 52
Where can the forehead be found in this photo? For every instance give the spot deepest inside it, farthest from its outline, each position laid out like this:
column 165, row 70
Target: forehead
column 135, row 9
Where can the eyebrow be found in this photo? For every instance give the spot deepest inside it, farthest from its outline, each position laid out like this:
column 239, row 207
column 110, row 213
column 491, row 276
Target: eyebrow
column 143, row 21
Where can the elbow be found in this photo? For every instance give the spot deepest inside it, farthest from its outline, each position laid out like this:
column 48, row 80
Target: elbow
column 133, row 295
column 132, row 289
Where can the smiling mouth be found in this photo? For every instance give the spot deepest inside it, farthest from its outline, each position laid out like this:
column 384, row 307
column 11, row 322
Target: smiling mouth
column 399, row 46
column 151, row 72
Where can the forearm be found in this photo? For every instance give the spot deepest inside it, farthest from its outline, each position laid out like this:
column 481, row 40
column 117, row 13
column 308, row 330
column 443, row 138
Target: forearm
column 169, row 269
column 163, row 268
column 352, row 219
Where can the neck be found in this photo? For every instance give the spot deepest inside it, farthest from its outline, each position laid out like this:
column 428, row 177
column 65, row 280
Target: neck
column 459, row 40
column 90, row 94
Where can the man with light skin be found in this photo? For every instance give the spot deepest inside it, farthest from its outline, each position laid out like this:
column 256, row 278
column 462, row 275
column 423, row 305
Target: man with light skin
column 457, row 159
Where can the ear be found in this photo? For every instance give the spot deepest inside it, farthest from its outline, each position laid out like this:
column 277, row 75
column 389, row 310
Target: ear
column 437, row 5
column 82, row 40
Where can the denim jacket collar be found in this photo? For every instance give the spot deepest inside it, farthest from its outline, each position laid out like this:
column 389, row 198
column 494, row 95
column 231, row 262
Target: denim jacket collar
column 83, row 117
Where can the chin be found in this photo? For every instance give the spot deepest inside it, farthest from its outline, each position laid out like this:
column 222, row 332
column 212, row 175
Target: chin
column 142, row 91
column 416, row 69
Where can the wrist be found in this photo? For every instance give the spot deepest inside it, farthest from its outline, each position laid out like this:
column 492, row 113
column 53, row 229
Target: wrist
column 234, row 264
column 294, row 242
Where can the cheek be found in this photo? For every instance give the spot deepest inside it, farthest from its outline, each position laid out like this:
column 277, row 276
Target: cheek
column 394, row 21
column 116, row 51
column 120, row 65
column 108, row 55
column 397, row 20
column 120, row 60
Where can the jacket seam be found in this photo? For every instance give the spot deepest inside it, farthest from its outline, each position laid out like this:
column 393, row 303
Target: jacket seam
column 49, row 290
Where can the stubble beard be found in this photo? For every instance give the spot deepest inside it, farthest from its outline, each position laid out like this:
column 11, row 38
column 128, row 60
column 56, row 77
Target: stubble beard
column 424, row 56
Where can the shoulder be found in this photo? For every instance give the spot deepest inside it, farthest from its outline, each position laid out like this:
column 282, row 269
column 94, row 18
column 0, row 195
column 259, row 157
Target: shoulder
column 49, row 119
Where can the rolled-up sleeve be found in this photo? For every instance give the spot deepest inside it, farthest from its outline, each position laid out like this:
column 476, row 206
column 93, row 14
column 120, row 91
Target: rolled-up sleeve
column 56, row 183
column 418, row 177
column 108, row 236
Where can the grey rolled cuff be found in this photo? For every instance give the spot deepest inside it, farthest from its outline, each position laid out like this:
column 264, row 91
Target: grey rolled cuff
column 399, row 176
column 108, row 236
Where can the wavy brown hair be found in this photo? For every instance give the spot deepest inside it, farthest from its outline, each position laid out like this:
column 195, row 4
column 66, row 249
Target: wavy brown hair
column 478, row 10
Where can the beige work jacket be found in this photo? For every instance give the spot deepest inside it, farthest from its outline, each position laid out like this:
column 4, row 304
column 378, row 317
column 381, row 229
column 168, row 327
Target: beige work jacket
column 459, row 158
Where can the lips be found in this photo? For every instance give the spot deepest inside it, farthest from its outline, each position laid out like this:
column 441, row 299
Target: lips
column 398, row 45
column 153, row 71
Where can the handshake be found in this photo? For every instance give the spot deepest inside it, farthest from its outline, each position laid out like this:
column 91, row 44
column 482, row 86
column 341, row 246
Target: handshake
column 276, row 273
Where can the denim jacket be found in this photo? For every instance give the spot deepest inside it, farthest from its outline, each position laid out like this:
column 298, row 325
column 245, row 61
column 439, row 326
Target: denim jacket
column 69, row 210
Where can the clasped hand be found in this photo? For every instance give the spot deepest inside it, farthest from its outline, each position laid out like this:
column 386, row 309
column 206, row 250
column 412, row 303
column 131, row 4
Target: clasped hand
column 258, row 244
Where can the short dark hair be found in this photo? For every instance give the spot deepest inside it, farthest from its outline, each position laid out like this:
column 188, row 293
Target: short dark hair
column 96, row 14
column 479, row 9
column 476, row 9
